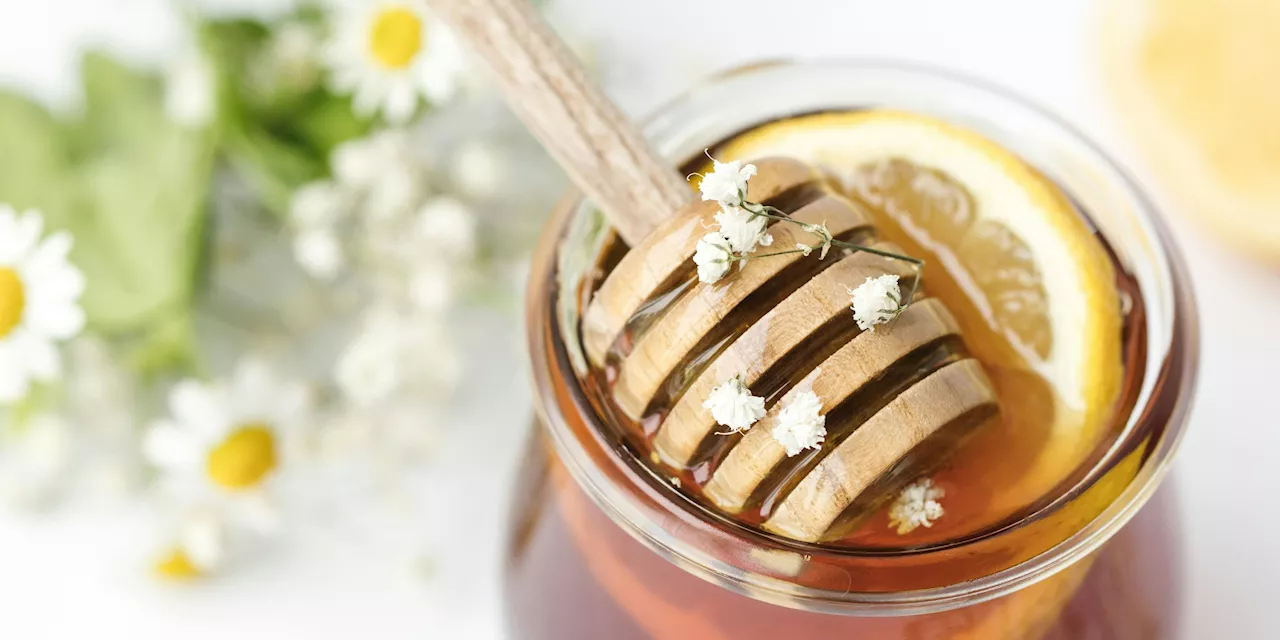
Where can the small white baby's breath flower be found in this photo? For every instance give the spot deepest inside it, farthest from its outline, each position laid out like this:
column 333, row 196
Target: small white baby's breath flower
column 800, row 424
column 712, row 257
column 316, row 204
column 477, row 168
column 369, row 371
column 384, row 169
column 916, row 506
column 824, row 234
column 732, row 405
column 189, row 91
column 742, row 229
column 319, row 253
column 876, row 301
column 431, row 287
column 448, row 227
column 727, row 182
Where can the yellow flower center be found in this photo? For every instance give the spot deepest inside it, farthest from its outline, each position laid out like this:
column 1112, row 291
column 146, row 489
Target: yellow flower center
column 395, row 37
column 244, row 458
column 177, row 566
column 12, row 300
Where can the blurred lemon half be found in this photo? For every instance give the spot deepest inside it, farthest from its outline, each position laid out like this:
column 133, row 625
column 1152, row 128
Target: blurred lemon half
column 1197, row 86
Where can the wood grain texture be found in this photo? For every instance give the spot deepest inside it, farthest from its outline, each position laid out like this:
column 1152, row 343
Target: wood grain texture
column 651, row 262
column 603, row 153
column 775, row 335
column 871, row 450
column 861, row 360
column 668, row 343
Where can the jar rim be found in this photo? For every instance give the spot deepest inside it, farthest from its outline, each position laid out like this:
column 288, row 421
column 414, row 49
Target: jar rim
column 683, row 124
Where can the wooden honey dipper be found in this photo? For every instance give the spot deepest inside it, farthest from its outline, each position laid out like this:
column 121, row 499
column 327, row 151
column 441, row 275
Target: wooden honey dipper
column 753, row 324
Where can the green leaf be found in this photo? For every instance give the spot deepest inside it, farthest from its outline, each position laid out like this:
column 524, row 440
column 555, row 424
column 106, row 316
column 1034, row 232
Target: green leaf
column 34, row 158
column 142, row 182
column 279, row 126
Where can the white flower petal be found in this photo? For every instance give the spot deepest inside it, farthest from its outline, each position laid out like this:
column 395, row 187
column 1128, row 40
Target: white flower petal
column 712, row 257
column 53, row 319
column 732, row 405
column 400, row 103
column 742, row 229
column 24, row 233
column 876, row 301
column 168, row 446
column 449, row 226
column 319, row 253
column 727, row 182
column 200, row 408
column 203, row 539
column 38, row 355
column 14, row 382
column 800, row 424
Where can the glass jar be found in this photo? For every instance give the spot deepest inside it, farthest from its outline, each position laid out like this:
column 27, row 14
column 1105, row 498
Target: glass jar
column 603, row 548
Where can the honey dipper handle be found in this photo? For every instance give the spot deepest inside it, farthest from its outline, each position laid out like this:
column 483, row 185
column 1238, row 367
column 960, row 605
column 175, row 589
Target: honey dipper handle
column 586, row 132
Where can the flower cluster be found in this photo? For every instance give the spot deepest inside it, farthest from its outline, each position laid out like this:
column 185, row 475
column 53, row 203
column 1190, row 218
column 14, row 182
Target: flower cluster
column 739, row 230
column 732, row 405
column 799, row 424
column 876, row 301
column 741, row 227
column 916, row 506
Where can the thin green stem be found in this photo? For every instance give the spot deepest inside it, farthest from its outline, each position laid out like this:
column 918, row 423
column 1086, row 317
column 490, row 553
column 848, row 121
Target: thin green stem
column 768, row 255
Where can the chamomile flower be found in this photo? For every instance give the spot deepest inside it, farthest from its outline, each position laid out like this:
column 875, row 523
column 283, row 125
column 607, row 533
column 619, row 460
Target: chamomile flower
column 229, row 438
column 732, row 405
column 876, row 301
column 713, row 257
column 389, row 54
column 727, row 182
column 800, row 424
column 742, row 229
column 916, row 506
column 39, row 302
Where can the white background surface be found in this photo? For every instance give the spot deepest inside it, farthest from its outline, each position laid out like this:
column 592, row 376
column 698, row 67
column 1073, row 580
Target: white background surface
column 69, row 576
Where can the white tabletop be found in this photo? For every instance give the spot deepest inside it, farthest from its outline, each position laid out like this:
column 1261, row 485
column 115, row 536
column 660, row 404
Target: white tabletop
column 63, row 576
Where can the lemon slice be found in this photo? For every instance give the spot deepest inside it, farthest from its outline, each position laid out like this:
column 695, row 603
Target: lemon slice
column 1038, row 286
column 1194, row 83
